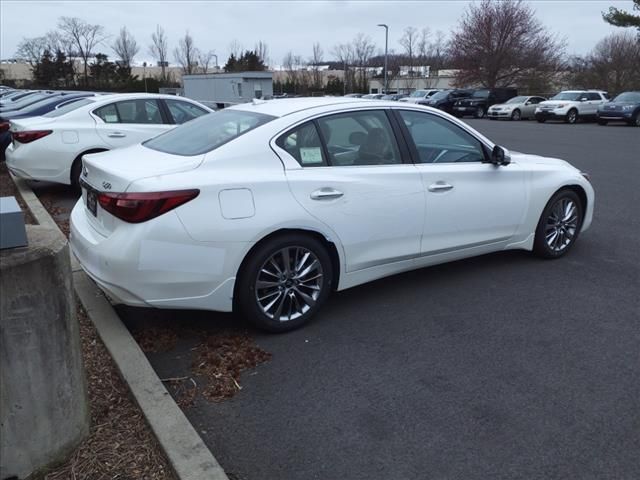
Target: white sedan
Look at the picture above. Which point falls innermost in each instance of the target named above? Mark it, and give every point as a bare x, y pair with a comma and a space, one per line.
265, 208
517, 108
51, 147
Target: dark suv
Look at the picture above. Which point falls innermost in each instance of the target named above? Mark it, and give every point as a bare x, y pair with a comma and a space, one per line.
480, 101
445, 99
625, 107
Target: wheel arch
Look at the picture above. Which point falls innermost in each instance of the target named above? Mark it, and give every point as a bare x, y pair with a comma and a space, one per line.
79, 157
332, 250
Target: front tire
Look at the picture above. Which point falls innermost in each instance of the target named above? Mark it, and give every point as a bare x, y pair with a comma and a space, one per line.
572, 116
602, 122
284, 282
516, 115
635, 121
559, 225
541, 120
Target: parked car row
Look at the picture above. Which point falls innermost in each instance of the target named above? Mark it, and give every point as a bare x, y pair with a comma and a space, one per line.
568, 106
47, 139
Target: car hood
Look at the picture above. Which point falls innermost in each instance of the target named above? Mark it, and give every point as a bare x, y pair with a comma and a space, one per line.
506, 105
553, 103
617, 105
530, 159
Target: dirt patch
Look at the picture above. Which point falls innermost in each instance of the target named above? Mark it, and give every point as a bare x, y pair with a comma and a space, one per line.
8, 189
120, 443
221, 358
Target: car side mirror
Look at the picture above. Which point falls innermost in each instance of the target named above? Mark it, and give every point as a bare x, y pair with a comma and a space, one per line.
528, 103
500, 156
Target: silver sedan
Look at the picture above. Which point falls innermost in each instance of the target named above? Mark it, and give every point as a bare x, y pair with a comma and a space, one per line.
517, 108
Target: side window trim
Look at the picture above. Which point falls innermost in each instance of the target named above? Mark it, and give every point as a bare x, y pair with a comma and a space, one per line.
323, 142
165, 113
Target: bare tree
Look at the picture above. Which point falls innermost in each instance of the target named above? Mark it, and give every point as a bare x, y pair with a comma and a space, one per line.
159, 49
315, 61
363, 49
613, 65
204, 60
32, 49
499, 42
84, 37
262, 51
186, 54
125, 47
409, 42
291, 66
235, 48
343, 52
424, 44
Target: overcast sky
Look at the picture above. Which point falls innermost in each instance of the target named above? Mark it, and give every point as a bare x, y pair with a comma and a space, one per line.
284, 26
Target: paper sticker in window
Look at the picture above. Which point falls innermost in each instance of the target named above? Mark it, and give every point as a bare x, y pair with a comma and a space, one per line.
311, 156
111, 118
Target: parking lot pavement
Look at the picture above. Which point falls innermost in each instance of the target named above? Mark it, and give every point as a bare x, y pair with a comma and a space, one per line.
500, 367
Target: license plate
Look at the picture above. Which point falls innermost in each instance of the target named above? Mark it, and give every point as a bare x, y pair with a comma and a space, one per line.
92, 202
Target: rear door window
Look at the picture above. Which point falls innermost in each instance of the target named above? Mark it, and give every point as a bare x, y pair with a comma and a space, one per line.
303, 143
141, 111
182, 112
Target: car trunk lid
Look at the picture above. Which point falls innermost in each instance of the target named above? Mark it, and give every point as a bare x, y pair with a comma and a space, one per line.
113, 172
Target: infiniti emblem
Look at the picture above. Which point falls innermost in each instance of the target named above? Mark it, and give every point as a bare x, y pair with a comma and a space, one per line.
106, 185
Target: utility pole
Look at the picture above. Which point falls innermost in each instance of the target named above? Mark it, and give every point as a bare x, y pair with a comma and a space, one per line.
386, 52
344, 78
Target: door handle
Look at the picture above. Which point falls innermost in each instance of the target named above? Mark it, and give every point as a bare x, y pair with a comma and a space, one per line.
440, 187
326, 194
116, 135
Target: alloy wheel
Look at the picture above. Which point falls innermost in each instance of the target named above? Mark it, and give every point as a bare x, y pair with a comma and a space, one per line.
572, 116
561, 225
516, 115
289, 283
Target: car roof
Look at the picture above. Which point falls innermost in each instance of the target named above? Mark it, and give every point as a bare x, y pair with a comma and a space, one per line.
287, 106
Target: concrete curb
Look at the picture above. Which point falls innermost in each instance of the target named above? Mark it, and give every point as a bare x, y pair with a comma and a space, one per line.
187, 453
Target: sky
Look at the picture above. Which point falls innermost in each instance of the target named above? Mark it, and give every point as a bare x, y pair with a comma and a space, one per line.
284, 25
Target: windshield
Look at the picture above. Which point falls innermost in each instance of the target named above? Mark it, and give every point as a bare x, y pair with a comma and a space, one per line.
630, 97
480, 94
207, 132
418, 93
68, 107
518, 100
440, 95
574, 96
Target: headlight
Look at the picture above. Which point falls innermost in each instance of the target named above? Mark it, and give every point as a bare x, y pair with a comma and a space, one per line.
562, 105
626, 108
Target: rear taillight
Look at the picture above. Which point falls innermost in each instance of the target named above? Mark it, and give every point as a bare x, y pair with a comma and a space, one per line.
29, 136
140, 207
4, 126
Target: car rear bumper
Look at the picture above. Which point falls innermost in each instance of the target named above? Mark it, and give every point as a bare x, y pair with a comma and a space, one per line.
137, 265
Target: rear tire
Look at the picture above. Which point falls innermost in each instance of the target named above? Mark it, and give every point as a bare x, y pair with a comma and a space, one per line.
284, 282
559, 225
479, 113
541, 120
76, 172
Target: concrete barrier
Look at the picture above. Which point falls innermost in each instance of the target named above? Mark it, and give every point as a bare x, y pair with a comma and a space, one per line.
44, 412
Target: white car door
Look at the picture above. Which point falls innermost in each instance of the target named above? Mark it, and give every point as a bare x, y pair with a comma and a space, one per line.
528, 109
128, 122
469, 203
355, 181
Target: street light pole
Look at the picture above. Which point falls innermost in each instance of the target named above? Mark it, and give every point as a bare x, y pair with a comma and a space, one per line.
386, 52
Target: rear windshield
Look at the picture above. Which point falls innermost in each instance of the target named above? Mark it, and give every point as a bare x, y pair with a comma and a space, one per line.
68, 107
207, 133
